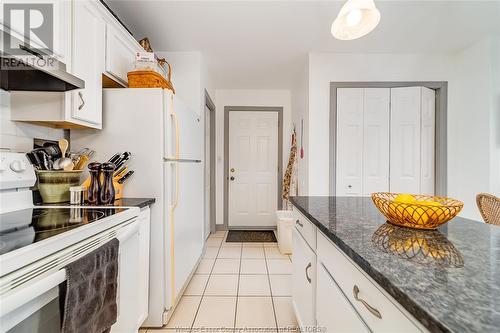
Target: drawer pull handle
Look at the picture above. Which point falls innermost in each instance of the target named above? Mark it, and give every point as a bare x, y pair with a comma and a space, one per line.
300, 224
375, 312
81, 99
307, 272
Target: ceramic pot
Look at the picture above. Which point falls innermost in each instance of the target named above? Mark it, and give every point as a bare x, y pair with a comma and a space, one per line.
54, 185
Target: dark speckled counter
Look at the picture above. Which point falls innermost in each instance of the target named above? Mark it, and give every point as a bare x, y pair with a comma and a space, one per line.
123, 202
134, 202
448, 279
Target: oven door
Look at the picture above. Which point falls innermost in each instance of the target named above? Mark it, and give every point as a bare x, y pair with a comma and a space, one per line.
32, 304
38, 315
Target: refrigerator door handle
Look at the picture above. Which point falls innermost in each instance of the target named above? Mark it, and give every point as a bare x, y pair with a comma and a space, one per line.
176, 125
181, 160
175, 185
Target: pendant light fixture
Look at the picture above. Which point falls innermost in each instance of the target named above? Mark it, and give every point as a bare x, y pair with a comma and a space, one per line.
356, 19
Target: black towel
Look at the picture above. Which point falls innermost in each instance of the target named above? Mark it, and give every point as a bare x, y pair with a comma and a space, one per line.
88, 298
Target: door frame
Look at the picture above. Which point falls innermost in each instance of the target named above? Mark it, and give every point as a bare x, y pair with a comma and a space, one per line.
211, 200
227, 110
441, 128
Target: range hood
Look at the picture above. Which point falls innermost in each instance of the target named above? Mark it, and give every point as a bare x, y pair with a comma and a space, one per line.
32, 70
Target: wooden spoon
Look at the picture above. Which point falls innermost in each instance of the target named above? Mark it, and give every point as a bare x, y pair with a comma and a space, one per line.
64, 162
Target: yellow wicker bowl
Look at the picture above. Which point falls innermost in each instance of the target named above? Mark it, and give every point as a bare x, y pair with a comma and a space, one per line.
418, 214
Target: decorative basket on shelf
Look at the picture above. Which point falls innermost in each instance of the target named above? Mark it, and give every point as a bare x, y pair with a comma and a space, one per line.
150, 71
148, 79
422, 212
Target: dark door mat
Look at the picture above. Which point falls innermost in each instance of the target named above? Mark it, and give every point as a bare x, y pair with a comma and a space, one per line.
251, 236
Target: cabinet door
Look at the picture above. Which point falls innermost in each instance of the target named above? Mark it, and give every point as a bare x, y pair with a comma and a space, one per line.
88, 62
304, 280
349, 173
128, 280
334, 312
143, 285
405, 140
120, 54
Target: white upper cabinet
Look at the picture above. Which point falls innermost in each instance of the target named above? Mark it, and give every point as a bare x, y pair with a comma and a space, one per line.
120, 53
88, 62
91, 42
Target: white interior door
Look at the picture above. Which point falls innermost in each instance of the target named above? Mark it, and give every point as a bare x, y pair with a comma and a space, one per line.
405, 140
376, 109
253, 169
207, 172
349, 142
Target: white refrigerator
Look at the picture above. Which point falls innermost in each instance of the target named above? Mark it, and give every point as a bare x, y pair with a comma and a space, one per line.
165, 138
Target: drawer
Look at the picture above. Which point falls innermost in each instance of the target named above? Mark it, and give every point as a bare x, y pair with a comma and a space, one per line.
334, 312
349, 277
305, 228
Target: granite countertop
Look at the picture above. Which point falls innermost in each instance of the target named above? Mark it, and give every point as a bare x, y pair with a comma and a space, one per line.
123, 202
134, 202
447, 279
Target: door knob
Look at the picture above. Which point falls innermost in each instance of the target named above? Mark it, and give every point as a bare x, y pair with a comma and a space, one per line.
232, 170
232, 178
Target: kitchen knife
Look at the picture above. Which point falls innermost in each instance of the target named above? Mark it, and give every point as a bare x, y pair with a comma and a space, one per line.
124, 158
114, 158
125, 177
120, 172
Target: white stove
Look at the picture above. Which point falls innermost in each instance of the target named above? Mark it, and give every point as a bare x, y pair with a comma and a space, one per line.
37, 242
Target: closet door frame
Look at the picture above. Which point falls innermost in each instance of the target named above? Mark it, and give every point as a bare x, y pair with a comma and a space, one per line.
441, 160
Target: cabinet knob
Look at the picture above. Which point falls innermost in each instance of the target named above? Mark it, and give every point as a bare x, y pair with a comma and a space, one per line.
349, 186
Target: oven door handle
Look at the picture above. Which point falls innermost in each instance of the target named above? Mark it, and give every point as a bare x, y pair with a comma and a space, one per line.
26, 294
132, 228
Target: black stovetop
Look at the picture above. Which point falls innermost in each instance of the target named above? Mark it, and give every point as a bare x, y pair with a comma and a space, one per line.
24, 227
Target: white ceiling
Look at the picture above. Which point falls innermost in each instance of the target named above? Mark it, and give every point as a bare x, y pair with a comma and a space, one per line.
264, 44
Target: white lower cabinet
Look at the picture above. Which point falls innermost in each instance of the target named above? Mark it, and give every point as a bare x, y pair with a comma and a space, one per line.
303, 281
331, 292
143, 286
334, 312
133, 277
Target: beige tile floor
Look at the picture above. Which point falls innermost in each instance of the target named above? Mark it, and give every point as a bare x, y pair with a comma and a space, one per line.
237, 286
